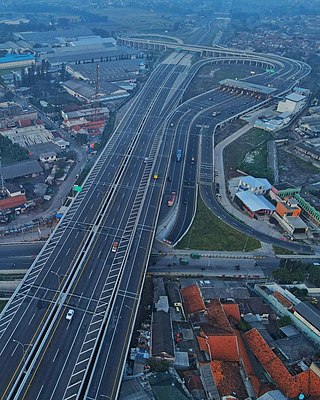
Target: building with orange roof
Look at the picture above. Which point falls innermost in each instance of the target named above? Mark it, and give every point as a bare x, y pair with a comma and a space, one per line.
12, 202
285, 302
258, 387
228, 379
220, 347
306, 382
216, 338
216, 318
192, 299
232, 311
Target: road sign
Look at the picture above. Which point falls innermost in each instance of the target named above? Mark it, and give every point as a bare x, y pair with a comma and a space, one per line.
77, 188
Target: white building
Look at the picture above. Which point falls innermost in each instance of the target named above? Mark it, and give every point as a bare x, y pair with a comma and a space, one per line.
292, 103
254, 185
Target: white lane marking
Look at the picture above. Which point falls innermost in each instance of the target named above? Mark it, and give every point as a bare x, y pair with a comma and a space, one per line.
80, 297
55, 356
38, 397
14, 349
31, 318
68, 251
90, 273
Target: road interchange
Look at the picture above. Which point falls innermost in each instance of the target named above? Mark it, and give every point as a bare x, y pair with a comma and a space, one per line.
50, 357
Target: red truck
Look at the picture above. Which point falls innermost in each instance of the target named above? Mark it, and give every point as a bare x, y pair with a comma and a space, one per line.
172, 199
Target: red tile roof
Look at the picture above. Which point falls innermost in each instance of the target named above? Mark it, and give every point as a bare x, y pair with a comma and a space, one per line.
12, 202
25, 122
192, 299
217, 318
285, 302
232, 311
228, 379
258, 387
220, 347
306, 382
192, 380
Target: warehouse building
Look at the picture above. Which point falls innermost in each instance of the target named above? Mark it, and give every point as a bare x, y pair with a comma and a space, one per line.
16, 61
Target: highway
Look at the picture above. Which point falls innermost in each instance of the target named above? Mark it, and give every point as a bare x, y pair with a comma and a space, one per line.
54, 358
196, 132
96, 258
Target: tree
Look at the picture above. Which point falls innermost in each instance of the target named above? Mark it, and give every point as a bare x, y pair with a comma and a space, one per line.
158, 366
284, 321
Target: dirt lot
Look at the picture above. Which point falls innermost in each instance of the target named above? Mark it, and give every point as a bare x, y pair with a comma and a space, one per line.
294, 170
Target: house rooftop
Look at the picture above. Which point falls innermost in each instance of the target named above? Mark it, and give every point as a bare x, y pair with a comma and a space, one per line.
255, 202
162, 341
273, 395
291, 385
20, 169
192, 299
256, 182
309, 312
295, 97
228, 379
12, 202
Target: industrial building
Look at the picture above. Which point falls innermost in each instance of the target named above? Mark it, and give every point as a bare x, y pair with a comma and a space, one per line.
87, 49
111, 71
87, 93
16, 61
28, 168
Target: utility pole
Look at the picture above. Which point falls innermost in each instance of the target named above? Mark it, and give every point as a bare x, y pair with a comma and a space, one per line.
96, 92
2, 180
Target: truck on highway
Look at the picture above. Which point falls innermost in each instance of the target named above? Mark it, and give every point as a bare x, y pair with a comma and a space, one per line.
172, 199
179, 155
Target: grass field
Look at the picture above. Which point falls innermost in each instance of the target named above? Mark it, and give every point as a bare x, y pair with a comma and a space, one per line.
2, 304
209, 233
281, 251
249, 154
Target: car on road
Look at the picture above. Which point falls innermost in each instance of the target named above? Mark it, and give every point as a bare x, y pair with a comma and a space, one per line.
192, 160
155, 176
70, 314
115, 247
169, 178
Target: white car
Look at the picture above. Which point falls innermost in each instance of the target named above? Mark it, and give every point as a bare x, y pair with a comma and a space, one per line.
69, 314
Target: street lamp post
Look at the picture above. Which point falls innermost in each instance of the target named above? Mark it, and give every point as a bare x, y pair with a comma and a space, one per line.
246, 242
24, 350
59, 276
